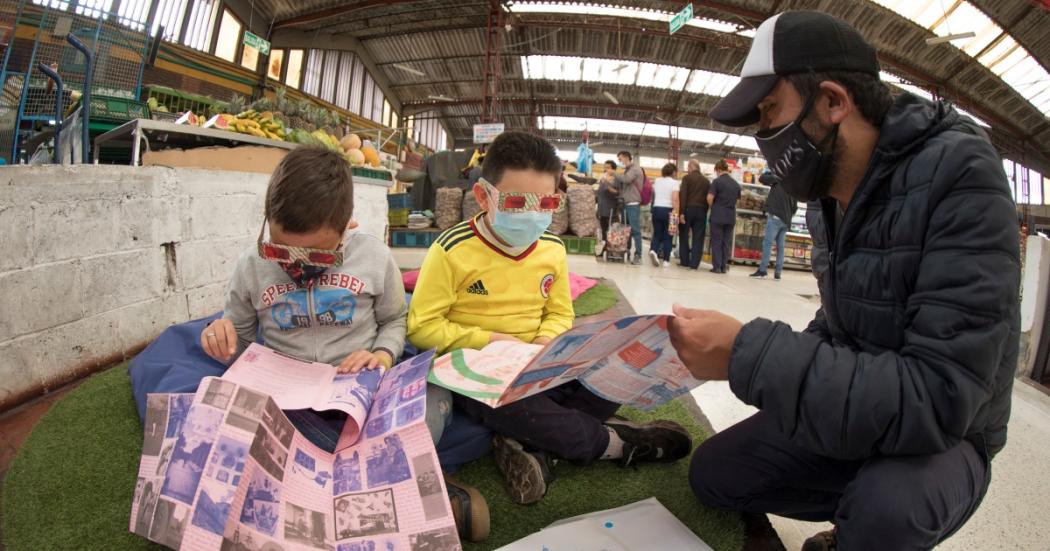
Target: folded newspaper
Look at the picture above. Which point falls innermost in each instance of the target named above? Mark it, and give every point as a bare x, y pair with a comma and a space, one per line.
634, 527
628, 360
225, 469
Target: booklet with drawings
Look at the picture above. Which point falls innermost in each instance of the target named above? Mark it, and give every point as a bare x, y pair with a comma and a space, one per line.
628, 360
225, 469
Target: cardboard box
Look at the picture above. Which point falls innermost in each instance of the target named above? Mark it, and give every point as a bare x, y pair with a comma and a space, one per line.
245, 158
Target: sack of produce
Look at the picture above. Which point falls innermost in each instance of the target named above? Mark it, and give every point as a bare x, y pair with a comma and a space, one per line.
447, 207
583, 207
560, 220
470, 205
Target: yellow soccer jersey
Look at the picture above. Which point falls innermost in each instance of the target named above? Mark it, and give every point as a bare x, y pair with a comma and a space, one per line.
470, 288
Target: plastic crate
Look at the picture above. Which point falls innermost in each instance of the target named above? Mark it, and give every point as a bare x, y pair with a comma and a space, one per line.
413, 238
117, 110
373, 173
397, 218
399, 201
578, 245
179, 102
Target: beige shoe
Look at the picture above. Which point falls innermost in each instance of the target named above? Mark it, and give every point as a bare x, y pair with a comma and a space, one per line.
469, 509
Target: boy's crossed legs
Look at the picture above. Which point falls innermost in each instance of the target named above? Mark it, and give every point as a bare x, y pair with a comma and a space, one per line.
568, 422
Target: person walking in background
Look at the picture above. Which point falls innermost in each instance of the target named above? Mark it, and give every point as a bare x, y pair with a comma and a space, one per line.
631, 193
780, 209
722, 198
692, 202
608, 195
665, 213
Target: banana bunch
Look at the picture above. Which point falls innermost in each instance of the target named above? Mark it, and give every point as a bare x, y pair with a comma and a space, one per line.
258, 124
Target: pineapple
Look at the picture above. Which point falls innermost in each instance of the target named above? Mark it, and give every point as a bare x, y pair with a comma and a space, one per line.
280, 106
237, 104
262, 104
297, 115
335, 126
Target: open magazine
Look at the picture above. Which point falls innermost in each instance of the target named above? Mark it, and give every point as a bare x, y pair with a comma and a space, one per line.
628, 360
298, 384
225, 469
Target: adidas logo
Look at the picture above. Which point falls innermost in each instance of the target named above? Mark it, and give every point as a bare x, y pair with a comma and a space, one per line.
477, 288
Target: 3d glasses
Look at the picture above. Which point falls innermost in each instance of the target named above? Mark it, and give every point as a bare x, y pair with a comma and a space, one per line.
516, 201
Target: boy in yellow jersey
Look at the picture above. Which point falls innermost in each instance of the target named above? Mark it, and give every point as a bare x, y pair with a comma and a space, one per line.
501, 276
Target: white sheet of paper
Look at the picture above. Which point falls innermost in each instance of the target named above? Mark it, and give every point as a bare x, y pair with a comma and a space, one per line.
632, 527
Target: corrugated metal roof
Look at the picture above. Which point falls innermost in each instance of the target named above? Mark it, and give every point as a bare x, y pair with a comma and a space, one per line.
400, 31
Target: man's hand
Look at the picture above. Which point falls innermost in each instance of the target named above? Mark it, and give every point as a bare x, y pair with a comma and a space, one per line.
502, 337
219, 340
364, 359
704, 341
541, 340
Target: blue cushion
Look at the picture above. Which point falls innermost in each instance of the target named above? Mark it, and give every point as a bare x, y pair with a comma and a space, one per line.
173, 363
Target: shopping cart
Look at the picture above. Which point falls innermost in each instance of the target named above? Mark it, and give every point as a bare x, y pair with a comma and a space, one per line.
618, 239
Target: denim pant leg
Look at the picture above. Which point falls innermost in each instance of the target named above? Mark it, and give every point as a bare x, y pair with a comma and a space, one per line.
439, 411
772, 228
781, 235
634, 219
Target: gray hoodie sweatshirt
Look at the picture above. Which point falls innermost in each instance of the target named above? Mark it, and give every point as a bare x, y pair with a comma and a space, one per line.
359, 305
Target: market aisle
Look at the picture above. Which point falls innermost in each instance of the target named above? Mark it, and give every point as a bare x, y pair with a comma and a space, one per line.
1012, 514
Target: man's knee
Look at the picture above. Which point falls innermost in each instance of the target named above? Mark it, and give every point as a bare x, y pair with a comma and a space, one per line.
707, 476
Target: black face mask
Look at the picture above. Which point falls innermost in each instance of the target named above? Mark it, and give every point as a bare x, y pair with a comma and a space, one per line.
794, 161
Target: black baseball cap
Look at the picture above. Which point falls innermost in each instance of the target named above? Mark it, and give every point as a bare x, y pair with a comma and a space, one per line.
787, 43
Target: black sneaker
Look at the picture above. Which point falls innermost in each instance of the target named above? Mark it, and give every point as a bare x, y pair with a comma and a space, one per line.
776, 277
760, 275
655, 442
526, 474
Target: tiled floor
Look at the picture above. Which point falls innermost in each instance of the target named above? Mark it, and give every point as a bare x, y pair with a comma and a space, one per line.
1013, 515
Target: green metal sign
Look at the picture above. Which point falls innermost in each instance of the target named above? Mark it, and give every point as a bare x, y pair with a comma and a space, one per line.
263, 46
681, 18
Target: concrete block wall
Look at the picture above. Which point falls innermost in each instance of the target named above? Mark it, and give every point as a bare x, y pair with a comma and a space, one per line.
96, 261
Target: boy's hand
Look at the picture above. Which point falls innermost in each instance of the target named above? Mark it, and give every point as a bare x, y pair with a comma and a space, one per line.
363, 359
502, 337
541, 340
219, 340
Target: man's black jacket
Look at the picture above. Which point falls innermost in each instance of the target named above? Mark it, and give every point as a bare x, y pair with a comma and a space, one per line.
915, 345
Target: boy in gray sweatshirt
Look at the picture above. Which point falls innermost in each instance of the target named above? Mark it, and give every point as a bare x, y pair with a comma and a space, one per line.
315, 289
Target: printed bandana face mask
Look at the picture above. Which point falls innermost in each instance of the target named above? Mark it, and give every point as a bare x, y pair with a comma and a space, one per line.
304, 265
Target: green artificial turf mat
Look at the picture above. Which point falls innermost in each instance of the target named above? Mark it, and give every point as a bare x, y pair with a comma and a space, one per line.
71, 485
595, 300
602, 485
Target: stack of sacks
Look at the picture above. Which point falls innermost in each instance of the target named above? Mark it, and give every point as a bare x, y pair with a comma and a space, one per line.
447, 207
560, 220
583, 220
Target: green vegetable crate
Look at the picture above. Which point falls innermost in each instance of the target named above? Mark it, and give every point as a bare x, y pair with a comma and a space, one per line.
398, 218
578, 245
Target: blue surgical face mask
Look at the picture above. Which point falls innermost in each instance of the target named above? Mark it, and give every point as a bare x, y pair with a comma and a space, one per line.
521, 229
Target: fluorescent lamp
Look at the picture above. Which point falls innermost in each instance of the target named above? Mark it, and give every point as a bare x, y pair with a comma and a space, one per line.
611, 97
949, 38
440, 98
408, 69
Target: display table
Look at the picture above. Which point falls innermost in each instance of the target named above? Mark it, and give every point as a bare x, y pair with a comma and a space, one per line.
162, 134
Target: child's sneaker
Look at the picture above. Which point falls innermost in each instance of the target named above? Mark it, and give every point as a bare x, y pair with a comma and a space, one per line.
469, 509
824, 541
526, 474
657, 442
